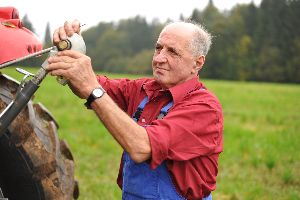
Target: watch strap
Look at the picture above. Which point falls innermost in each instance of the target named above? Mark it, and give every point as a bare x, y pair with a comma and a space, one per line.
92, 98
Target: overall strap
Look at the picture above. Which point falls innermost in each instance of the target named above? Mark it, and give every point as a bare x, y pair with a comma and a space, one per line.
165, 109
163, 112
136, 116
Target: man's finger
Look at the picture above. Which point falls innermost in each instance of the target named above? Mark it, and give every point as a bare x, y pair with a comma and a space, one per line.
76, 26
65, 59
56, 37
62, 33
68, 28
58, 65
70, 53
57, 72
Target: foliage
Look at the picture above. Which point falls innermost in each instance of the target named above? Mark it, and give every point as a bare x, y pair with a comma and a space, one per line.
122, 46
48, 38
27, 23
251, 43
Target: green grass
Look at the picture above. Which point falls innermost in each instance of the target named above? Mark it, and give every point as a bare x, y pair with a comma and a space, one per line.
261, 158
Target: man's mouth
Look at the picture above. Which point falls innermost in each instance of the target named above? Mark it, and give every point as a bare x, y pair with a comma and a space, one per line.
160, 69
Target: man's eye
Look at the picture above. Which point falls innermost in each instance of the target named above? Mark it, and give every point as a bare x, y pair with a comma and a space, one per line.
158, 47
173, 51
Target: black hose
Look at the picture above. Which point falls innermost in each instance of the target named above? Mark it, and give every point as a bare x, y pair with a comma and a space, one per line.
13, 109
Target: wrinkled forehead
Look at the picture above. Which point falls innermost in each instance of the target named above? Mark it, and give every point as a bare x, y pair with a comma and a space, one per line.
177, 33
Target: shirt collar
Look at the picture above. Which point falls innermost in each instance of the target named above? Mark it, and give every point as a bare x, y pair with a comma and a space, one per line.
151, 85
178, 92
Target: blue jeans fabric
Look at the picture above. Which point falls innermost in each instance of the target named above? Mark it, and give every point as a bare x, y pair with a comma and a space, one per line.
140, 182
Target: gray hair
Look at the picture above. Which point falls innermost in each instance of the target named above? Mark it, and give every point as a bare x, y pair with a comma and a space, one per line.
201, 41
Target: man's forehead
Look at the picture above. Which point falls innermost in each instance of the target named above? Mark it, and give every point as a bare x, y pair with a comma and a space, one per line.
173, 38
180, 28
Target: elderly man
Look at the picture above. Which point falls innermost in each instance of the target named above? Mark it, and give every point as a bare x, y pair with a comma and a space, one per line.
170, 126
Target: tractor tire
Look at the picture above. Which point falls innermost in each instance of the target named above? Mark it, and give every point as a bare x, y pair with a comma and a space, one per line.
34, 163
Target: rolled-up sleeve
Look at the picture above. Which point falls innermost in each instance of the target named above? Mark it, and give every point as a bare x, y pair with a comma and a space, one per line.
188, 131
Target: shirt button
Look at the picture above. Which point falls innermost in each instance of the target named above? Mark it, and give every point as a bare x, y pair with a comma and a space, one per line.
143, 120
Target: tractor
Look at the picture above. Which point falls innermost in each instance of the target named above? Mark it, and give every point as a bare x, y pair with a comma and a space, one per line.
34, 163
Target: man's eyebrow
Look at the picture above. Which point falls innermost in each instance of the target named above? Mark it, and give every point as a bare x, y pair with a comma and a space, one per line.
175, 49
172, 48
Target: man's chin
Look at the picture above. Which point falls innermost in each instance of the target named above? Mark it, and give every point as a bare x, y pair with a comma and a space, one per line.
161, 82
157, 78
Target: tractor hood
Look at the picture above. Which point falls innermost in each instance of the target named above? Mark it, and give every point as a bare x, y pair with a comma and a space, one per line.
15, 40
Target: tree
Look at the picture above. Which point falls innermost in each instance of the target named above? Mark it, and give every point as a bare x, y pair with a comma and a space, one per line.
111, 47
238, 46
139, 33
94, 33
141, 62
250, 16
33, 61
27, 23
181, 17
249, 43
196, 15
273, 38
216, 23
210, 15
47, 39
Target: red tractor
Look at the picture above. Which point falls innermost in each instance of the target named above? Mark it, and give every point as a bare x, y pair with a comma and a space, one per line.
34, 163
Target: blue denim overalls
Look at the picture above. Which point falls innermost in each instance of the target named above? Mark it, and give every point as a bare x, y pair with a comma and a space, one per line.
142, 182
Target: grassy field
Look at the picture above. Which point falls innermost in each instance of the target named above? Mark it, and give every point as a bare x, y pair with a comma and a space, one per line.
261, 158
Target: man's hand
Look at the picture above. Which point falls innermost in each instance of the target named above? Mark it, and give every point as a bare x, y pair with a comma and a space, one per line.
65, 31
77, 69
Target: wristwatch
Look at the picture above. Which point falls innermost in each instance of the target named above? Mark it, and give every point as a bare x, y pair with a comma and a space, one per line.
96, 93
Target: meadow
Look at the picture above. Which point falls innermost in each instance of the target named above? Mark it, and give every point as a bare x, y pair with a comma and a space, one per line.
261, 158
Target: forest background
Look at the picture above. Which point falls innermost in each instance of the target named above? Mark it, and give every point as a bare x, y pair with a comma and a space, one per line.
250, 43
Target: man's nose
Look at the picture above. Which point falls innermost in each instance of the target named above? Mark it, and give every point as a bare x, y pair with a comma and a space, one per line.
160, 57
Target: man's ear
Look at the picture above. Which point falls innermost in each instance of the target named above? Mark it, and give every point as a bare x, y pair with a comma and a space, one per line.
199, 62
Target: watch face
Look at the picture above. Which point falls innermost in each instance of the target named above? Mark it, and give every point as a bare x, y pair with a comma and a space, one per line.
97, 92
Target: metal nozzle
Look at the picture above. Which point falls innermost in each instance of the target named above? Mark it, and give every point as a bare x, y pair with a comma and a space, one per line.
64, 45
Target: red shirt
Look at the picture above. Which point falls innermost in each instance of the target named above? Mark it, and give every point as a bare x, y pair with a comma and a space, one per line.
189, 137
